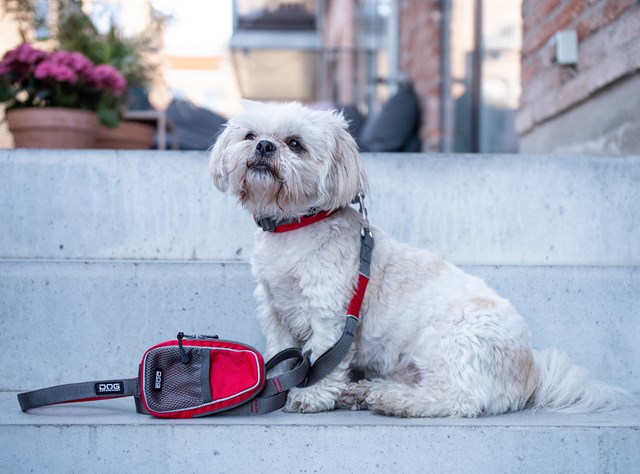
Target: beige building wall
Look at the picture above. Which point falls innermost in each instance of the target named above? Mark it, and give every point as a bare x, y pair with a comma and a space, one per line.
197, 64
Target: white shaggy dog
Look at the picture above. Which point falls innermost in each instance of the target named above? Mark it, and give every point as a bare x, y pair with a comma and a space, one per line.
432, 341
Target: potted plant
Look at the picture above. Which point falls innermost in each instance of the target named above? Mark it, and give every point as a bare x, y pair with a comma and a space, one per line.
126, 55
76, 31
52, 98
73, 30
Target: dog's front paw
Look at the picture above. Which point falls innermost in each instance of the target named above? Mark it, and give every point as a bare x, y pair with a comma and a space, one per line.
309, 400
354, 396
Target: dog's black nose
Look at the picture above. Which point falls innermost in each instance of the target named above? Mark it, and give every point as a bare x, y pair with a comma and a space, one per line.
265, 147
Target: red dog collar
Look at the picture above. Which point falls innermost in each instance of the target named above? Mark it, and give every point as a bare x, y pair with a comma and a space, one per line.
269, 224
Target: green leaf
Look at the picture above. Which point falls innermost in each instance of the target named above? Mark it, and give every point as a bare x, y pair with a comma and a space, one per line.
108, 117
5, 92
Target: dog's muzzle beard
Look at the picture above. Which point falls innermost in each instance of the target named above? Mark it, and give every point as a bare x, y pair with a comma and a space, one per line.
264, 169
262, 183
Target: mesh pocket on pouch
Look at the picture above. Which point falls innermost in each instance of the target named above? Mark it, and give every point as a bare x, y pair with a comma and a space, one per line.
181, 387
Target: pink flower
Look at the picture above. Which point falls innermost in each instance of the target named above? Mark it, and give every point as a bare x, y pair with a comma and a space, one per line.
33, 78
21, 60
25, 55
107, 77
59, 72
78, 62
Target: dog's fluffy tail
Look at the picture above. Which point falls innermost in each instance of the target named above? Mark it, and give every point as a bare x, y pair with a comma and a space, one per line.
564, 386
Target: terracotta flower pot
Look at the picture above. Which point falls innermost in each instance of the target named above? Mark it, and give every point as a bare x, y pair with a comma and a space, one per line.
126, 136
53, 127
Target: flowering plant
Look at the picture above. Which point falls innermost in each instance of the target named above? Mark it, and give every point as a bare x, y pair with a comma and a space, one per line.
30, 77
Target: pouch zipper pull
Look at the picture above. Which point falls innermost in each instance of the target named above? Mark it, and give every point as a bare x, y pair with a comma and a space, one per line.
185, 358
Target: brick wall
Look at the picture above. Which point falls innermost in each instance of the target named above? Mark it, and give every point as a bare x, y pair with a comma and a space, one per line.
609, 50
420, 62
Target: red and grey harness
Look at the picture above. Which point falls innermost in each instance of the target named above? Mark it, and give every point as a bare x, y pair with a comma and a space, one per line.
333, 356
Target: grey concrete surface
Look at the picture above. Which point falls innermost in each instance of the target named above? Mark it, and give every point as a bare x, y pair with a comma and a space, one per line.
103, 254
474, 209
93, 320
96, 436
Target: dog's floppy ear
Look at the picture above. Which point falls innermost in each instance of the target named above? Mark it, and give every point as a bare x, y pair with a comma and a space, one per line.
218, 161
346, 176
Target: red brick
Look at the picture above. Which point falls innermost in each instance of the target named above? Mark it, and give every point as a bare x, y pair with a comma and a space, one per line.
542, 9
589, 24
530, 68
614, 8
595, 48
432, 135
603, 14
420, 61
560, 20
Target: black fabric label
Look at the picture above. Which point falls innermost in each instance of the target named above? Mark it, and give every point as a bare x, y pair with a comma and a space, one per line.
112, 387
157, 383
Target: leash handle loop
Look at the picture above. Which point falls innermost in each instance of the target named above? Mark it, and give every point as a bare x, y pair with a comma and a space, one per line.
79, 392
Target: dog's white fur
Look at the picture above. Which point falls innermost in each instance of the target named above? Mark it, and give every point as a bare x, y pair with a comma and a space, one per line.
432, 341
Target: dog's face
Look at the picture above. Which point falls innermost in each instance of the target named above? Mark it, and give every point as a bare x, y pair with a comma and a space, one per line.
281, 160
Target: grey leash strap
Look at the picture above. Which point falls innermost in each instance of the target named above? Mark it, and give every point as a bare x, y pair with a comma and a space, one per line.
332, 357
271, 398
79, 392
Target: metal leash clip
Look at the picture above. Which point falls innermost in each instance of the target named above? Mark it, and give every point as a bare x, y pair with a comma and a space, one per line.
363, 212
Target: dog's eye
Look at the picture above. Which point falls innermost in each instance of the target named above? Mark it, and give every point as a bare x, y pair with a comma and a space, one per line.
250, 136
295, 145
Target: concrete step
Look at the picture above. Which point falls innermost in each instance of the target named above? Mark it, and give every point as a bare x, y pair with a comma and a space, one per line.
105, 436
67, 321
474, 209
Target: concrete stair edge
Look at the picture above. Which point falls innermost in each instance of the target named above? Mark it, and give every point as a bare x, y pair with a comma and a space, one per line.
97, 436
474, 209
